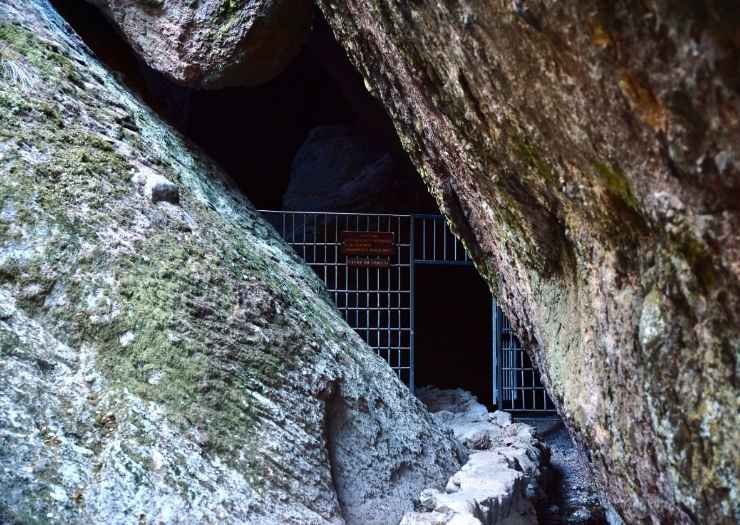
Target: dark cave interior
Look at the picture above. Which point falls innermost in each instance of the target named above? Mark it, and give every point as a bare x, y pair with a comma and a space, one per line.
454, 331
254, 134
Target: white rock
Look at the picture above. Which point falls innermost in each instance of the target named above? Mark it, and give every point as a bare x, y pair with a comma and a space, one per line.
504, 463
501, 418
426, 518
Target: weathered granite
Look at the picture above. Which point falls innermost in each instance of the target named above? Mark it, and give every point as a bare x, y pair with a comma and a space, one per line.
164, 356
587, 154
212, 44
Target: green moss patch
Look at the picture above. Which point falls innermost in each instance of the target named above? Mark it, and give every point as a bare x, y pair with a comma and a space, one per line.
530, 155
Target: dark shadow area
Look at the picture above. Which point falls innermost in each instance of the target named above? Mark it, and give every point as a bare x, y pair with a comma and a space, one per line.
254, 133
570, 492
453, 331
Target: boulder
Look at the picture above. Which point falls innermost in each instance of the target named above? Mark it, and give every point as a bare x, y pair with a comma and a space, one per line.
338, 168
164, 356
211, 44
588, 155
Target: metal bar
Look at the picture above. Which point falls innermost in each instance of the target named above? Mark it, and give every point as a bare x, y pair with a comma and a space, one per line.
412, 304
434, 241
494, 356
444, 263
423, 239
444, 240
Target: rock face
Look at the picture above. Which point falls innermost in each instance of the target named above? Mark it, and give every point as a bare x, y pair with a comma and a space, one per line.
339, 169
164, 356
213, 43
587, 153
500, 480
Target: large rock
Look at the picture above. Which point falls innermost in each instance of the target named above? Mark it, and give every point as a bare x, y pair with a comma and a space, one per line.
164, 356
338, 168
213, 43
588, 154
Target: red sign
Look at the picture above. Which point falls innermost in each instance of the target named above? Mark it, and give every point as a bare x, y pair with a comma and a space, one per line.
367, 249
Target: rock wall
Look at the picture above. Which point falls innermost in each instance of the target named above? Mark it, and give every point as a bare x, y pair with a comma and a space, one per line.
164, 356
213, 43
587, 154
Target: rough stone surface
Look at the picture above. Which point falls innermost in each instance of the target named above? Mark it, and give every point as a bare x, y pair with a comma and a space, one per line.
501, 479
339, 169
587, 154
213, 43
165, 363
472, 424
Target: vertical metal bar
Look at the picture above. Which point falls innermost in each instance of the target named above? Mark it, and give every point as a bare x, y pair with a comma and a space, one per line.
499, 356
344, 265
456, 243
423, 238
494, 356
292, 217
444, 241
521, 372
357, 283
434, 240
367, 290
412, 304
389, 272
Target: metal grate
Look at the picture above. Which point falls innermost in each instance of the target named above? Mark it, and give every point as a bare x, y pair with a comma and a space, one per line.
376, 302
436, 244
379, 302
520, 387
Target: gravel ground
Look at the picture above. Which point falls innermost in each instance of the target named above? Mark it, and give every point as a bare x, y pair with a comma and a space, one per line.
572, 495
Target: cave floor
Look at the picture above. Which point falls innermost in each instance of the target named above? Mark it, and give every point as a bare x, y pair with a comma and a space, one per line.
572, 494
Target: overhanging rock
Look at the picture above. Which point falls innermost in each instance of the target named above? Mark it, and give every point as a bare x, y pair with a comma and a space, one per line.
587, 153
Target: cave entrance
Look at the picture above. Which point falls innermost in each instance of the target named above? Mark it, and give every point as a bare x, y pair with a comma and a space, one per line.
405, 284
313, 138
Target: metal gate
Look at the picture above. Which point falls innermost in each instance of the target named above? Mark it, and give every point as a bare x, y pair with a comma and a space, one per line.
520, 388
376, 302
379, 302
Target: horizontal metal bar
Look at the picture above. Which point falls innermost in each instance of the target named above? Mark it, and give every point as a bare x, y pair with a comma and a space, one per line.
334, 244
427, 216
337, 213
368, 291
439, 262
376, 308
342, 265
